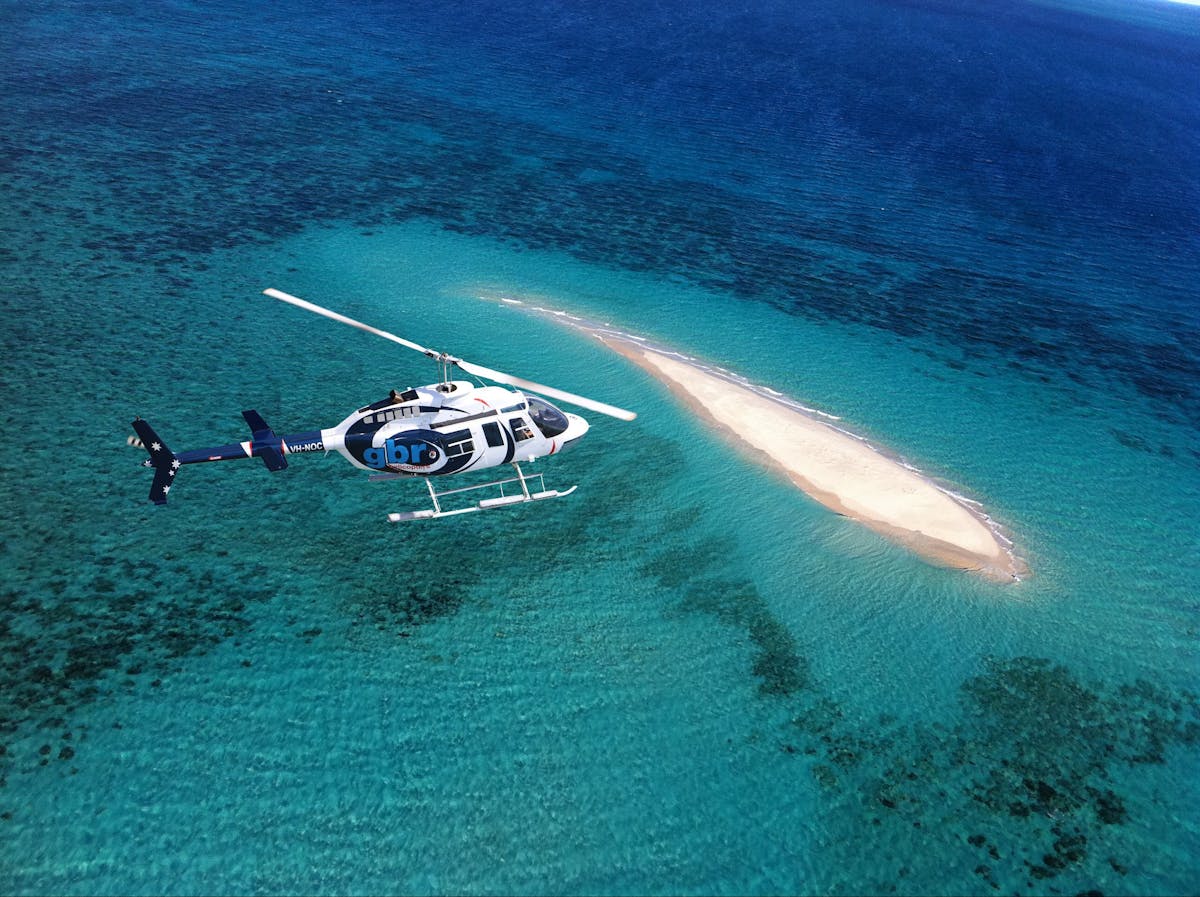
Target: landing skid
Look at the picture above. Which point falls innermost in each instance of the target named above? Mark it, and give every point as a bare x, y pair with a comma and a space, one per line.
503, 500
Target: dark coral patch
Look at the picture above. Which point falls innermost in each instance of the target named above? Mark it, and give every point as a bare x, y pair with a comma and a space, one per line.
1035, 756
85, 647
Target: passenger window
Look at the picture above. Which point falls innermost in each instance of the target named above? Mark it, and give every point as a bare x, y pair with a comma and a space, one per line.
491, 432
520, 429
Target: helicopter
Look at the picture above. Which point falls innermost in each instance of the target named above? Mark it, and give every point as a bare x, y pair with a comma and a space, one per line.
431, 431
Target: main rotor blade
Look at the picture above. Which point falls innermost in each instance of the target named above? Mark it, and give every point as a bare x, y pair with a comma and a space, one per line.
316, 309
542, 389
476, 369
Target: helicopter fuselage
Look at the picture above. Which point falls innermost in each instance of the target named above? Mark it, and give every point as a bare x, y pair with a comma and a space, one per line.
448, 428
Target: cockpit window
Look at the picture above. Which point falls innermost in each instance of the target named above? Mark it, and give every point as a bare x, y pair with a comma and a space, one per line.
548, 419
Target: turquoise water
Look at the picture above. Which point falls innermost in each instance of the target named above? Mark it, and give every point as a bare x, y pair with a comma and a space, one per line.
686, 677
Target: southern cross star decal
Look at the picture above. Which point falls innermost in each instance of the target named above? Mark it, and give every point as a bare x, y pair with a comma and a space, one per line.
155, 446
175, 463
166, 489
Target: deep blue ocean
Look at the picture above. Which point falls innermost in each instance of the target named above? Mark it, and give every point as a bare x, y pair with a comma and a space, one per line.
970, 230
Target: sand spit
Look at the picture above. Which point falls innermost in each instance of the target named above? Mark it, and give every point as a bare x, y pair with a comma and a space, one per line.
841, 471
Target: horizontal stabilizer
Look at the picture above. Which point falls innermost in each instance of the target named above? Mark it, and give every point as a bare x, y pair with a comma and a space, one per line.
266, 444
272, 457
258, 426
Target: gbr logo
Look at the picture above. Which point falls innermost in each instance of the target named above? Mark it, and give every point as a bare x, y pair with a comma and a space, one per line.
409, 452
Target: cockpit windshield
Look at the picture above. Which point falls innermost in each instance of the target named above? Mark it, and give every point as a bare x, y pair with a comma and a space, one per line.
548, 419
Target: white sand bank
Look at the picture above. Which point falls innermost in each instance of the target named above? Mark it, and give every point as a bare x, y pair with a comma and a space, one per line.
841, 472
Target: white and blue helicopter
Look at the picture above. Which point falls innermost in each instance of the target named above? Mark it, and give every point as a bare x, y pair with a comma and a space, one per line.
445, 428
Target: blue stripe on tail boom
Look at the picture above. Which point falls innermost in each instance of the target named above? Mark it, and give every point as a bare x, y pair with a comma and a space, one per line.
263, 444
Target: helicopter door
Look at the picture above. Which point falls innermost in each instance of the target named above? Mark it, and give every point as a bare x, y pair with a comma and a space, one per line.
492, 435
497, 446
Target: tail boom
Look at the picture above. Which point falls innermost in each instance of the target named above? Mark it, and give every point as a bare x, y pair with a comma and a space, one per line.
263, 444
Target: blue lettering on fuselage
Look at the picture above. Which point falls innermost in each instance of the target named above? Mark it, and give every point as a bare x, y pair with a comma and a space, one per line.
395, 452
404, 453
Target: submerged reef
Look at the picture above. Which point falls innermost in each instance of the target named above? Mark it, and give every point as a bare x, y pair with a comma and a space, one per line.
69, 638
695, 574
1030, 784
1033, 781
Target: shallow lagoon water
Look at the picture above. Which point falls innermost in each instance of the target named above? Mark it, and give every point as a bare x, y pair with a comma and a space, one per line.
685, 677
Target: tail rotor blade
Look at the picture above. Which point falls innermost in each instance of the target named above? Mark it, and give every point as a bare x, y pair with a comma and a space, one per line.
548, 391
333, 315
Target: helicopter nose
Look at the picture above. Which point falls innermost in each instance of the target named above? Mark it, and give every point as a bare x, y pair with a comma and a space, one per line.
576, 428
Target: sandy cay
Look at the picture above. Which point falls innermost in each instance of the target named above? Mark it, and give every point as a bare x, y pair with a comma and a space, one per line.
841, 472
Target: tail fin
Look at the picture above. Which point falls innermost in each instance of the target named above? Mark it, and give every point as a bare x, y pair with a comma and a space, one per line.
165, 463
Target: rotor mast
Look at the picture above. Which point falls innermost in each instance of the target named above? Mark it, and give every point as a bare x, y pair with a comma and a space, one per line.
444, 363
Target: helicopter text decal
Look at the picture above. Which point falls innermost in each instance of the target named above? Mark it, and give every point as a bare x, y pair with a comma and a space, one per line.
414, 453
